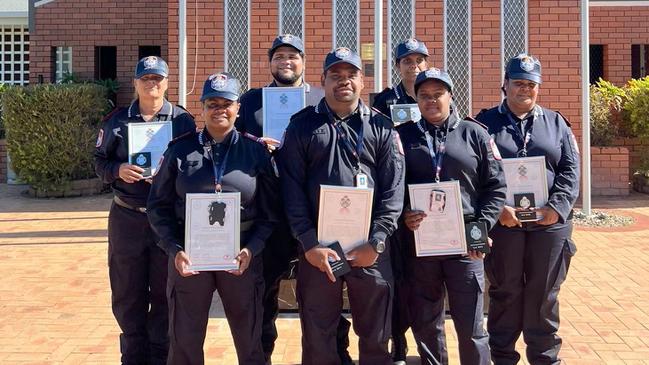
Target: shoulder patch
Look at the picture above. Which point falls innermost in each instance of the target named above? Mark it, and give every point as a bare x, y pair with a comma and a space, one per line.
564, 118
397, 142
471, 119
100, 138
495, 150
573, 141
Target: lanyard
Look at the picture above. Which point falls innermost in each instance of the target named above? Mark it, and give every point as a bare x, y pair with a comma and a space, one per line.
522, 152
436, 156
218, 171
346, 138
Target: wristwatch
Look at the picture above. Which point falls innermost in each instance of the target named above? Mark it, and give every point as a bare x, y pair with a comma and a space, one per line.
379, 246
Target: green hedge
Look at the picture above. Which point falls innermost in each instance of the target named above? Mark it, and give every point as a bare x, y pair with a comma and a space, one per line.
51, 131
3, 87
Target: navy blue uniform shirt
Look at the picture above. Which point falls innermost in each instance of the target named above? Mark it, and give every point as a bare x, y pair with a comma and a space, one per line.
187, 168
468, 159
112, 147
311, 154
251, 113
550, 137
392, 96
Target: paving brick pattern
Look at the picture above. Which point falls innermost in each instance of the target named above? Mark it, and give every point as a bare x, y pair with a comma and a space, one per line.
55, 297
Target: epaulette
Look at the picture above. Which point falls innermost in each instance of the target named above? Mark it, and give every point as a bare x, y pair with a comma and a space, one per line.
188, 112
254, 138
482, 111
564, 118
111, 114
472, 119
304, 110
180, 137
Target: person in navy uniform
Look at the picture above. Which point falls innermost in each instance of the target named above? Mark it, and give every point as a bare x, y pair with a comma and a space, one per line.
335, 143
442, 147
411, 57
218, 158
137, 267
529, 261
287, 61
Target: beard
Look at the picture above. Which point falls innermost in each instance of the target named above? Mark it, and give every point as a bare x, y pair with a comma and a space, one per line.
286, 80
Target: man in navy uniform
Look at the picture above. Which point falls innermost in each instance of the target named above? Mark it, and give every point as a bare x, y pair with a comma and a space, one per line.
530, 260
442, 147
339, 142
411, 57
287, 61
137, 267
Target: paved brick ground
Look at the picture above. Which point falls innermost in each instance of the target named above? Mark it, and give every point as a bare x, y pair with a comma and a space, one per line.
55, 298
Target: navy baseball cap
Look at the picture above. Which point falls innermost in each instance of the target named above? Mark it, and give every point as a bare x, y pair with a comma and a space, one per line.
433, 74
221, 85
524, 67
289, 40
342, 55
151, 65
410, 46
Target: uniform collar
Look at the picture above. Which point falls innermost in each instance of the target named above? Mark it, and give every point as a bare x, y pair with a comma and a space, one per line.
323, 108
400, 91
205, 138
504, 109
453, 121
134, 109
307, 87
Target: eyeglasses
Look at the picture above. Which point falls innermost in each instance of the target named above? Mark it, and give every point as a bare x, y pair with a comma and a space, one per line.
216, 106
154, 78
431, 98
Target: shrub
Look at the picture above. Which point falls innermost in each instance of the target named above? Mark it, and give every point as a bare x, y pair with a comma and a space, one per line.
3, 87
605, 100
51, 130
636, 107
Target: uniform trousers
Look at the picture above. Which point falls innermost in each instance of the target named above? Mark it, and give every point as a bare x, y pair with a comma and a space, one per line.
189, 305
463, 279
321, 301
137, 269
526, 269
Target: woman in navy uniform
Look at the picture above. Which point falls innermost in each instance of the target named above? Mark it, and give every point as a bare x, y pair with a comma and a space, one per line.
442, 147
136, 265
218, 158
411, 58
529, 261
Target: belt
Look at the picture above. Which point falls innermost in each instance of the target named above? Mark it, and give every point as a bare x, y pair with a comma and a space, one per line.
124, 204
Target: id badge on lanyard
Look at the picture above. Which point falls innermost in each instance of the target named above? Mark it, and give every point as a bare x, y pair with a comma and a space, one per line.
361, 180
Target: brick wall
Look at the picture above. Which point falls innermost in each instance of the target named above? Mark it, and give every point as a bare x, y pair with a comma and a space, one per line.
3, 161
617, 28
610, 166
83, 25
637, 150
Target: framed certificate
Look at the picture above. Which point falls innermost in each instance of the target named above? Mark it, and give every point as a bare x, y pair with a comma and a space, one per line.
527, 184
212, 235
344, 215
279, 104
147, 143
442, 232
402, 113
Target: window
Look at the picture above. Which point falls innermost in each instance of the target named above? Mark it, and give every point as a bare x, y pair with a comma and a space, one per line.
146, 51
105, 63
401, 27
291, 15
61, 63
345, 24
639, 60
14, 55
237, 51
457, 51
596, 62
513, 29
